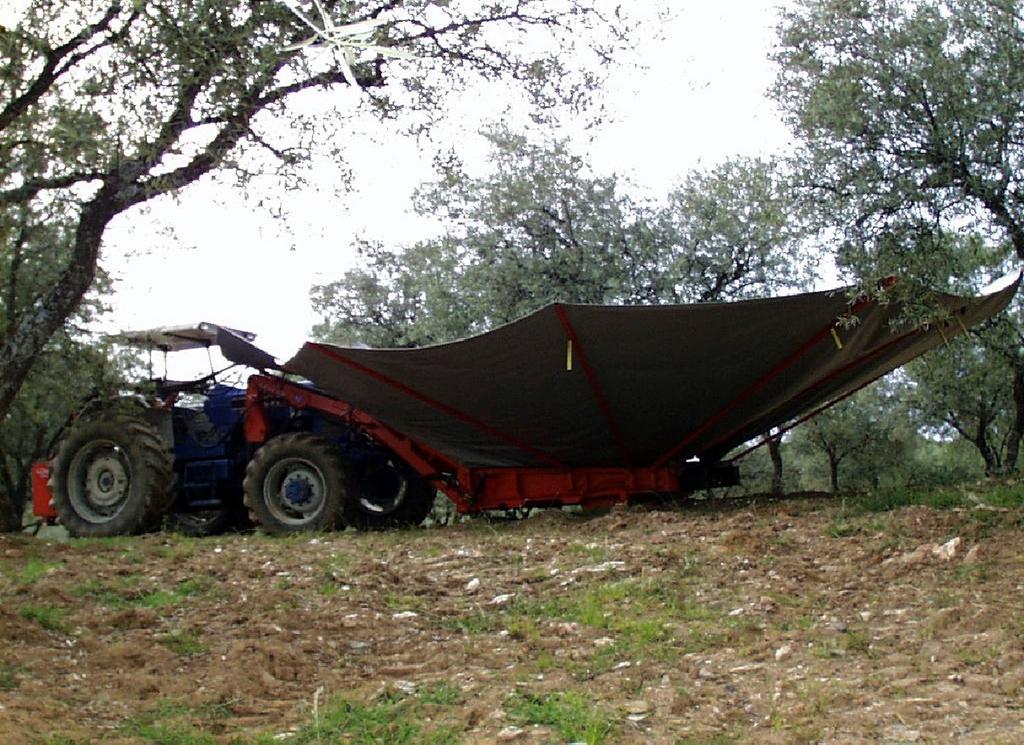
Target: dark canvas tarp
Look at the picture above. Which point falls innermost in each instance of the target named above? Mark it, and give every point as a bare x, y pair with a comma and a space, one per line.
646, 384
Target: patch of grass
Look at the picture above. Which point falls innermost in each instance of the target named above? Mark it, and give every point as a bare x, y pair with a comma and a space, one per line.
441, 694
399, 601
544, 661
972, 657
476, 622
329, 589
573, 717
174, 723
393, 718
184, 643
163, 598
689, 565
101, 592
49, 617
647, 619
971, 573
180, 547
334, 570
721, 738
36, 569
9, 676
842, 528
157, 599
891, 499
856, 642
524, 629
592, 551
1007, 496
945, 598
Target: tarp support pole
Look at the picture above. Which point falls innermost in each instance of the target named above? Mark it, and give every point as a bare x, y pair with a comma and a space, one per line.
595, 387
439, 405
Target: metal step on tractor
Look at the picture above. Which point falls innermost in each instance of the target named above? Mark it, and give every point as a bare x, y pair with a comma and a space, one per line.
175, 454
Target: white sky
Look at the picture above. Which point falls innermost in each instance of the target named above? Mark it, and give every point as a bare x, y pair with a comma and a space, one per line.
699, 100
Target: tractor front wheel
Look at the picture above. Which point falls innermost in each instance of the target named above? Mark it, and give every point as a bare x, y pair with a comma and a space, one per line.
112, 476
296, 482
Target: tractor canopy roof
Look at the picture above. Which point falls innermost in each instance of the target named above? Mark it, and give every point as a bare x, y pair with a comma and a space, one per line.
201, 335
235, 345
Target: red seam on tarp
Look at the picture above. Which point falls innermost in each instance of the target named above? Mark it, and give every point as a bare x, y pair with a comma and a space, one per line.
440, 406
801, 420
595, 387
818, 383
757, 386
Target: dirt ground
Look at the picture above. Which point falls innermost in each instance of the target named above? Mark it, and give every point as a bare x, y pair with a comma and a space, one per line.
791, 621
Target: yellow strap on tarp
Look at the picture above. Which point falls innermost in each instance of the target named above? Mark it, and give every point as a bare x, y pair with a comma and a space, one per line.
836, 339
568, 355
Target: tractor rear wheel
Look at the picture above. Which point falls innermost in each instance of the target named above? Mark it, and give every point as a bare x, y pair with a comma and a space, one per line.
112, 476
387, 495
296, 482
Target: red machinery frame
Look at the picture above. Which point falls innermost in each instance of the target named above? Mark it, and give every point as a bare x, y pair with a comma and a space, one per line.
471, 489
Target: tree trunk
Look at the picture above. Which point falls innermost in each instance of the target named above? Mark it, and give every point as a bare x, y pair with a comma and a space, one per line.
20, 349
11, 503
775, 452
988, 454
1017, 429
833, 472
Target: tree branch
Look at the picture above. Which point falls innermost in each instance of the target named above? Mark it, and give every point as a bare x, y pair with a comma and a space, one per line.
48, 75
32, 187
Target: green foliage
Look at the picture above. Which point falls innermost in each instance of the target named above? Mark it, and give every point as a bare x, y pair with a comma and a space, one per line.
965, 390
573, 716
162, 598
35, 570
541, 228
49, 617
392, 719
175, 723
978, 499
907, 119
9, 676
861, 438
184, 643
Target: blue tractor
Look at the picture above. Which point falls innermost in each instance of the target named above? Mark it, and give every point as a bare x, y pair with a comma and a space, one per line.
174, 454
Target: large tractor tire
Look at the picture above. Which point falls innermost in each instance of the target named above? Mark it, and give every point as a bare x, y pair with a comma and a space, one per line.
112, 476
295, 483
387, 495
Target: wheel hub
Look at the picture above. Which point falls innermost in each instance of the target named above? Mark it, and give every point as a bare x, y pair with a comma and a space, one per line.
295, 489
106, 481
